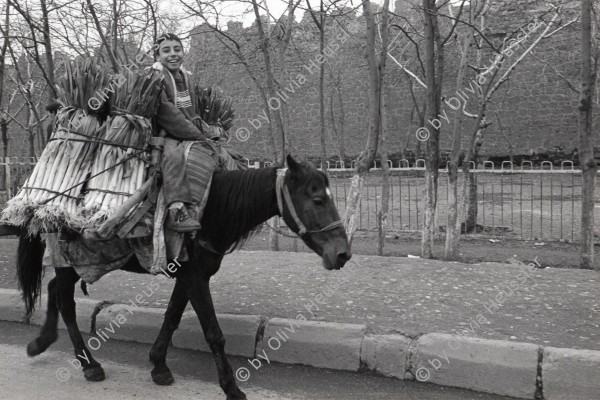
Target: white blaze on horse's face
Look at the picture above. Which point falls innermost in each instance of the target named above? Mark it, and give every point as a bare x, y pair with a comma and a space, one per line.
328, 193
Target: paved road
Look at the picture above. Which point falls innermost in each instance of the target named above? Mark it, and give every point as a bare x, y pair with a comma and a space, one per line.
128, 377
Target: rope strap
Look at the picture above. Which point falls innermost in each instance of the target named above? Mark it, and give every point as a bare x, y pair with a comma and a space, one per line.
288, 199
52, 191
96, 140
109, 191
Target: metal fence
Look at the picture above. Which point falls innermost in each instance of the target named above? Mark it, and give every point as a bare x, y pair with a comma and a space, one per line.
519, 202
516, 201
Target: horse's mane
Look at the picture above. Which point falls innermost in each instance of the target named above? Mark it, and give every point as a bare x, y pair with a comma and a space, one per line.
236, 203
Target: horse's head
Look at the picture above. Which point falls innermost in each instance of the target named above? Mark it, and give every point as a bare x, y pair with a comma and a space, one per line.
308, 209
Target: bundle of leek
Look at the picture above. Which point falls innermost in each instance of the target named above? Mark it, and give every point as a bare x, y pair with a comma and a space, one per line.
49, 197
83, 85
74, 145
120, 163
216, 111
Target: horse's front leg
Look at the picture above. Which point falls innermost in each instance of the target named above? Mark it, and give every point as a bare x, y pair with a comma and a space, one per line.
158, 354
48, 333
66, 279
198, 291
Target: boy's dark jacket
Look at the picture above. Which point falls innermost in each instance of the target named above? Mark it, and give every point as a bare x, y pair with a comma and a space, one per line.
177, 121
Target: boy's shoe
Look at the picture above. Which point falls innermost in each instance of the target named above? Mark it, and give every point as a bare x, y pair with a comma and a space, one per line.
181, 220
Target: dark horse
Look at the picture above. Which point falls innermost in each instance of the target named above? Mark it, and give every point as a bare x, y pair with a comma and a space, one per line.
239, 201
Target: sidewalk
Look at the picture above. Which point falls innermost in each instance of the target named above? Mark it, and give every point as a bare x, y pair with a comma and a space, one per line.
553, 307
543, 307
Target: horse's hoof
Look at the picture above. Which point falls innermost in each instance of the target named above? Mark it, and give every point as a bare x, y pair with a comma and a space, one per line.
35, 348
236, 395
163, 377
94, 374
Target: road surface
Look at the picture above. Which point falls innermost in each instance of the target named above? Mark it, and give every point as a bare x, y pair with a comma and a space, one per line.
50, 376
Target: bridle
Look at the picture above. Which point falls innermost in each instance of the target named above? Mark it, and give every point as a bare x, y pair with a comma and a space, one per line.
282, 191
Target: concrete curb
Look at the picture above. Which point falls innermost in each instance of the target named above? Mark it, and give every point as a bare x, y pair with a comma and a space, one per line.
521, 370
319, 344
571, 374
492, 366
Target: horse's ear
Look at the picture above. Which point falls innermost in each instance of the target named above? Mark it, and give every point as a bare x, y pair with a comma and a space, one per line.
292, 164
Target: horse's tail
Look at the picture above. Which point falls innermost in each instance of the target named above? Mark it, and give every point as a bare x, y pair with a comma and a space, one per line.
30, 270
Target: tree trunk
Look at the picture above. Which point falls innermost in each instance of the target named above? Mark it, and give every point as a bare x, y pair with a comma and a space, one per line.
382, 218
322, 90
4, 118
48, 52
452, 235
30, 132
352, 202
273, 236
471, 194
586, 146
452, 225
341, 134
433, 70
4, 130
338, 135
107, 46
31, 140
418, 149
274, 106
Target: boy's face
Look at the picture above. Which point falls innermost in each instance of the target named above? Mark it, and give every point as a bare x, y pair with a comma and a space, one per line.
170, 55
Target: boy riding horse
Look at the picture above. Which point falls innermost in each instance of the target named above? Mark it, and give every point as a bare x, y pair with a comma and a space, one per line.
175, 114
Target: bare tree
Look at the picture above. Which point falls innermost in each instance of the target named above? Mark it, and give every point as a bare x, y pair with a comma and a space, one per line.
31, 89
272, 44
376, 72
107, 46
589, 68
3, 113
488, 80
434, 73
320, 19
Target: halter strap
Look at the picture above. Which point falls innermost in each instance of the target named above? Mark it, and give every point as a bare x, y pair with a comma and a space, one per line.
288, 200
280, 189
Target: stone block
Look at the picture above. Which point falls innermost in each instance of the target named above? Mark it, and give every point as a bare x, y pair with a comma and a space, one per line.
571, 374
492, 366
319, 344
